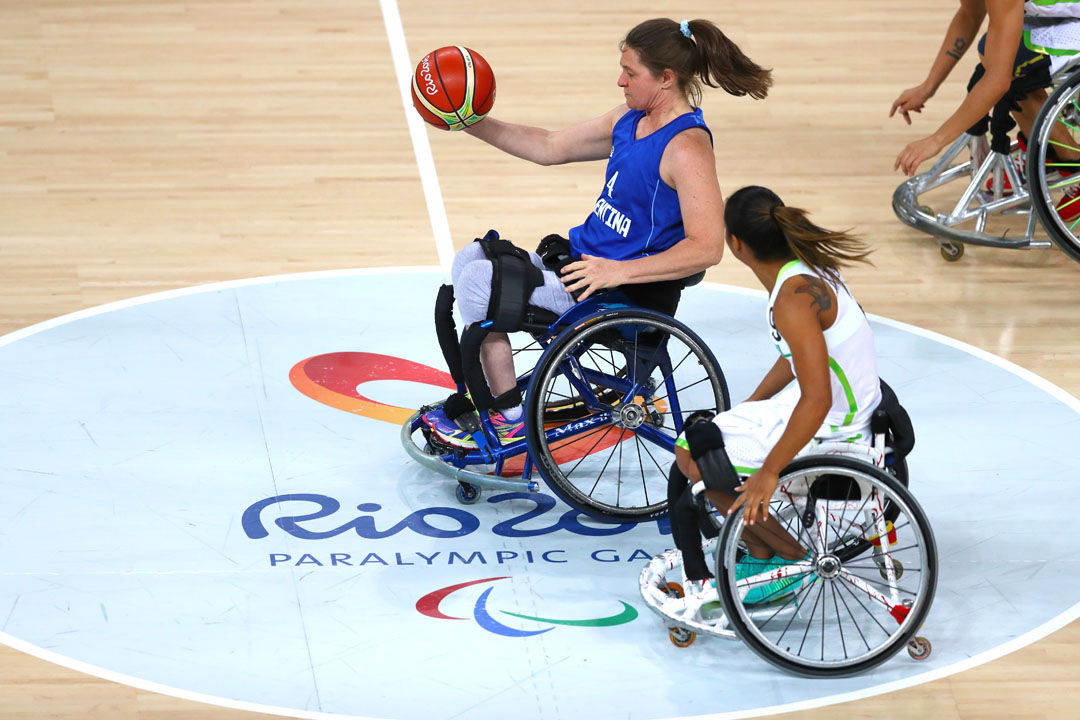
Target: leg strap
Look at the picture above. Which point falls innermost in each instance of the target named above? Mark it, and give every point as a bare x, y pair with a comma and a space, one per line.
513, 279
1000, 120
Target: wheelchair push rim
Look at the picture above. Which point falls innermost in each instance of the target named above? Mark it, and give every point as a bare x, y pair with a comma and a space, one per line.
638, 374
832, 615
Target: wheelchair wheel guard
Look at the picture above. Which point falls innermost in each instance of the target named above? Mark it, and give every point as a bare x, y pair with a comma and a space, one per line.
617, 386
866, 586
1054, 184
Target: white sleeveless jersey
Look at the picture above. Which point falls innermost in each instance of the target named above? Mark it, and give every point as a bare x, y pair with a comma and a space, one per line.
1052, 8
1052, 28
856, 389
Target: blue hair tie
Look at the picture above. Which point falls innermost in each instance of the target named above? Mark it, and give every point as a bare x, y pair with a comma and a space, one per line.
684, 26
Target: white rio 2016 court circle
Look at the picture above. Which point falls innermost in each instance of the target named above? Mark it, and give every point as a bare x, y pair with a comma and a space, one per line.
186, 508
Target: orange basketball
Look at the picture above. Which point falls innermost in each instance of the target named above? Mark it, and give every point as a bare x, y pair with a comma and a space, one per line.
453, 87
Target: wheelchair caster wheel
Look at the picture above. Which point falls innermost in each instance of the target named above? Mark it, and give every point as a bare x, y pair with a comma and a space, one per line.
467, 493
952, 251
919, 648
898, 569
681, 637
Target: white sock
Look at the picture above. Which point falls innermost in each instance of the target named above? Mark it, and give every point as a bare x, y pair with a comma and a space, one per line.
513, 414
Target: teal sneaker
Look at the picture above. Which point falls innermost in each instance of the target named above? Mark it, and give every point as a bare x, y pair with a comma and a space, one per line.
766, 592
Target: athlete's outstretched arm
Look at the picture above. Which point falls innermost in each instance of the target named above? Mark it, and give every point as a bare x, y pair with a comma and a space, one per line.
688, 165
1002, 40
590, 140
958, 38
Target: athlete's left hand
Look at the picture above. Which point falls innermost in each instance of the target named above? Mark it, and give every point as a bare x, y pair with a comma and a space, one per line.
915, 153
590, 274
756, 493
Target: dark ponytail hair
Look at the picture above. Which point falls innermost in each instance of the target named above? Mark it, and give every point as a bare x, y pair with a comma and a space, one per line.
707, 56
774, 231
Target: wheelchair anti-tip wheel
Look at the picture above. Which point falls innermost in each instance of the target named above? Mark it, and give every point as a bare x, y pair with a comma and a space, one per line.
631, 376
844, 609
1054, 183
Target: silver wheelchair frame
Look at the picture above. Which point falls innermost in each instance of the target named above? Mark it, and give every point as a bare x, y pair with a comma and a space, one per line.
1030, 195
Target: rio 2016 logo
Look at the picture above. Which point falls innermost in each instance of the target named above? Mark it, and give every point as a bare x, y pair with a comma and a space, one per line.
429, 606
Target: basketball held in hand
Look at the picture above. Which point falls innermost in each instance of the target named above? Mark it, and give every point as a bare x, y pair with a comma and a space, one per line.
453, 87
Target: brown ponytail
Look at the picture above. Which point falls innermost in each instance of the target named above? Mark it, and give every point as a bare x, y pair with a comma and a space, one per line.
774, 231
706, 56
824, 250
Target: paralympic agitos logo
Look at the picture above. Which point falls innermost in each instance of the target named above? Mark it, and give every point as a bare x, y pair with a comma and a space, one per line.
429, 605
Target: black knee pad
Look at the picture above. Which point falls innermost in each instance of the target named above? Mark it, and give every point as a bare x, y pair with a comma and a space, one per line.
706, 443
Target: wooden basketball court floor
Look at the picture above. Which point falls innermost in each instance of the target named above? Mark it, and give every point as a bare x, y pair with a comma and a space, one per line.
148, 145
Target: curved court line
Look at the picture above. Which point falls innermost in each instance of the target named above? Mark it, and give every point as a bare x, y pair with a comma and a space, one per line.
1023, 640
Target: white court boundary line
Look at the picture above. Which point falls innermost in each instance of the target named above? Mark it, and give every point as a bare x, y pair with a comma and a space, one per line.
429, 179
1006, 648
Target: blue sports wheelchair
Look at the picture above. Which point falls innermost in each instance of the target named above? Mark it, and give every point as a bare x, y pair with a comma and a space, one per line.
604, 403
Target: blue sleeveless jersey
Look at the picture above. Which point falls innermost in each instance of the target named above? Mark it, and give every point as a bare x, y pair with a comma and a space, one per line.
637, 214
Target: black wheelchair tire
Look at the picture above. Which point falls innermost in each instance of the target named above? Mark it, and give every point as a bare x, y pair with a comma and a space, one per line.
733, 605
535, 407
1056, 228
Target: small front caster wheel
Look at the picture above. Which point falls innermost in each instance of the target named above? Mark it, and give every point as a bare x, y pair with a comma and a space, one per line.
681, 637
952, 251
467, 493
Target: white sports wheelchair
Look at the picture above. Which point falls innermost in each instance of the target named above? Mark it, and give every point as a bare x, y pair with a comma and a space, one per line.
1008, 195
861, 595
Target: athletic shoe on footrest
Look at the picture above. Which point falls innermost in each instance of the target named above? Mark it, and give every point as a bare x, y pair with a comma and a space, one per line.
447, 430
508, 430
767, 592
450, 432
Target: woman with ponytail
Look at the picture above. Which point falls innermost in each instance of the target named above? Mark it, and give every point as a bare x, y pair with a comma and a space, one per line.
824, 383
659, 216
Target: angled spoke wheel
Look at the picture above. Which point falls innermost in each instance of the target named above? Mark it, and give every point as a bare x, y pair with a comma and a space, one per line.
867, 582
606, 404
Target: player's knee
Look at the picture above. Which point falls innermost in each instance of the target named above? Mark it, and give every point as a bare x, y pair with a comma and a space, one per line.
473, 291
467, 255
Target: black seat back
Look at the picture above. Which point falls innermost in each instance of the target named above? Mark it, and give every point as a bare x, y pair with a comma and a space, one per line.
891, 419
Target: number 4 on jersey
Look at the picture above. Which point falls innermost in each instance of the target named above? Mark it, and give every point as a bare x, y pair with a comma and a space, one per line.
611, 184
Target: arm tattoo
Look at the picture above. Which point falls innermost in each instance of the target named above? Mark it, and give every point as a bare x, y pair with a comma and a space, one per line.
819, 292
958, 48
